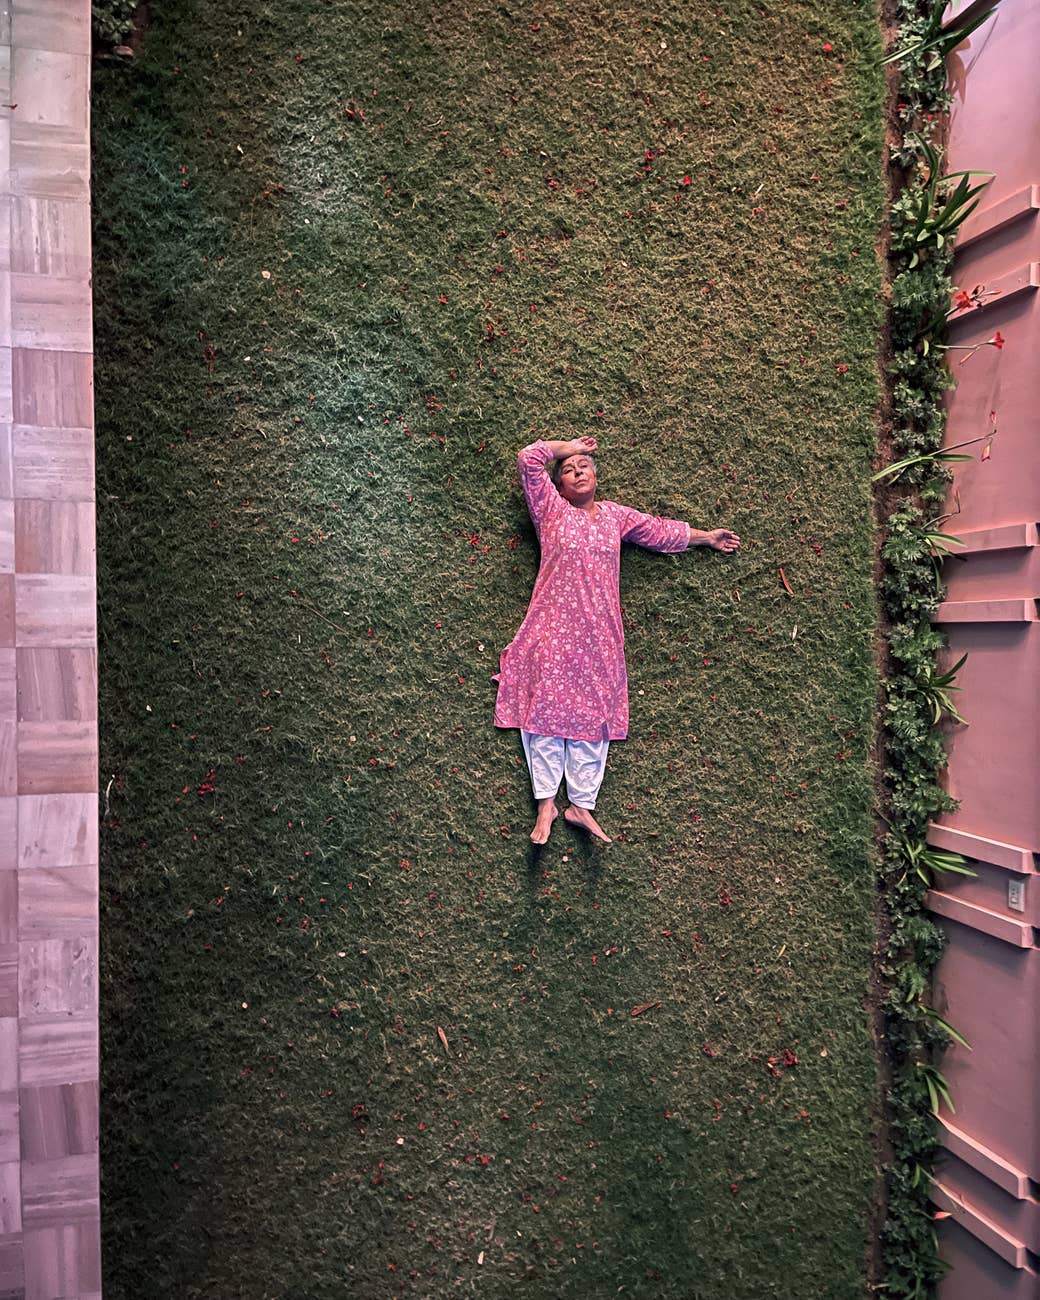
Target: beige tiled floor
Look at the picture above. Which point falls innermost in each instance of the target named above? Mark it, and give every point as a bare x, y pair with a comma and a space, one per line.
49, 1239
46, 25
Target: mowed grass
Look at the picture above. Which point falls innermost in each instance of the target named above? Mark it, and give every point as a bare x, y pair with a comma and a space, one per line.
359, 1039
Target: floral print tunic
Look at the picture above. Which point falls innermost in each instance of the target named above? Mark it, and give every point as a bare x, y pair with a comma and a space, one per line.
564, 674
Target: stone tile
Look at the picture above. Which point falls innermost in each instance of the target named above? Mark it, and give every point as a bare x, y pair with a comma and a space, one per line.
8, 757
6, 131
7, 599
5, 309
10, 1128
57, 830
55, 464
50, 536
12, 1270
56, 904
6, 398
8, 1054
59, 1121
56, 757
57, 975
8, 682
6, 536
54, 685
48, 237
52, 390
45, 25
9, 905
8, 977
51, 161
56, 1049
5, 223
6, 454
54, 610
63, 1262
8, 834
10, 1197
46, 312
50, 87
59, 1191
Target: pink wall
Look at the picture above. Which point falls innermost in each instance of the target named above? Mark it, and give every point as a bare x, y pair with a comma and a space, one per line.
988, 982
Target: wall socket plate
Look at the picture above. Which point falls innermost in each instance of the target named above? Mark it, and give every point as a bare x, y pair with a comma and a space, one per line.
1017, 895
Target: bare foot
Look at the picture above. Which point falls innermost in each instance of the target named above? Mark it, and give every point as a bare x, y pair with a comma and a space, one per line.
575, 816
547, 814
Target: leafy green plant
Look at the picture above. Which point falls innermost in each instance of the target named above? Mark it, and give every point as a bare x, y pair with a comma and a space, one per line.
942, 456
112, 20
933, 213
936, 688
934, 42
926, 861
937, 543
938, 1088
925, 217
947, 1028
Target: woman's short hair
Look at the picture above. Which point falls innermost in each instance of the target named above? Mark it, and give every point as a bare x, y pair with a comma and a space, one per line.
556, 467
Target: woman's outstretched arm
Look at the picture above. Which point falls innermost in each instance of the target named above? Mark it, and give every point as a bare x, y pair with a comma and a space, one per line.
672, 535
721, 539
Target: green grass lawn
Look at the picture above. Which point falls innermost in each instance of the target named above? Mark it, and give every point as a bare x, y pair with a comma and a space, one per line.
349, 258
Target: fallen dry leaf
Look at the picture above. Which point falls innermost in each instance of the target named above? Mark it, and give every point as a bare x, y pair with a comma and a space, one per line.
444, 1039
645, 1006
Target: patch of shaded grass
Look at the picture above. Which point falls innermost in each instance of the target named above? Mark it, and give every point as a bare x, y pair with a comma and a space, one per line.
312, 547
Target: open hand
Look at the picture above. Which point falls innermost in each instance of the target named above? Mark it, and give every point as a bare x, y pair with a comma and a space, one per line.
582, 446
721, 539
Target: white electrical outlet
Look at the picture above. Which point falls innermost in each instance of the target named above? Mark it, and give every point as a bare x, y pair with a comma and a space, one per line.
1017, 895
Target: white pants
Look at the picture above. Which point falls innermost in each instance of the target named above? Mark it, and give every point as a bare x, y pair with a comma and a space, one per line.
582, 762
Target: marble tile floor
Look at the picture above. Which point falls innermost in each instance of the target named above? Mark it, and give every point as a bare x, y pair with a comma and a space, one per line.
49, 1207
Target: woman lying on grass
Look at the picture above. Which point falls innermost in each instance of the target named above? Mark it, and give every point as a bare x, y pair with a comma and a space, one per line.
562, 679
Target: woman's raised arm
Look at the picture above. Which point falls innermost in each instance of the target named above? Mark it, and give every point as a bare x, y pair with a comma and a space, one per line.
533, 463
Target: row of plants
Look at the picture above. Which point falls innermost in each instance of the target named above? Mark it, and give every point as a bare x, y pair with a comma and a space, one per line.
112, 20
929, 207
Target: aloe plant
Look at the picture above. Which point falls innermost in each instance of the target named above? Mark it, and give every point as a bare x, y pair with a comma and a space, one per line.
935, 42
936, 688
938, 1088
939, 543
933, 215
928, 862
947, 1028
944, 456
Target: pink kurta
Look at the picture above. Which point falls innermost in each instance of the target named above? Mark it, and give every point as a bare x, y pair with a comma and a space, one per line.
563, 674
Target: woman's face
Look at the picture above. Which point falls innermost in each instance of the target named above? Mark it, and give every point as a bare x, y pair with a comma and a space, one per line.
578, 480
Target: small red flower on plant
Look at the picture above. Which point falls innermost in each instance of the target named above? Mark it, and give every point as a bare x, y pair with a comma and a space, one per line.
962, 300
998, 340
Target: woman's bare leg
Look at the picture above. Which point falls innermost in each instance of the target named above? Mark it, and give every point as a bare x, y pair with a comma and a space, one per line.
585, 762
575, 816
547, 814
